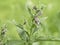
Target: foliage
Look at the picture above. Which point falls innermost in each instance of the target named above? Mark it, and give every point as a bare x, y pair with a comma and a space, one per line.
38, 24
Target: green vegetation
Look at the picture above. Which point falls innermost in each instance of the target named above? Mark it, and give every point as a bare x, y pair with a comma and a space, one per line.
29, 22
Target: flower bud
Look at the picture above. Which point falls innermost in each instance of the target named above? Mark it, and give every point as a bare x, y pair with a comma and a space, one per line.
34, 7
36, 19
39, 12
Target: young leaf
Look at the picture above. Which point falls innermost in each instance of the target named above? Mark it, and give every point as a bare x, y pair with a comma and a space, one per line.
29, 10
22, 33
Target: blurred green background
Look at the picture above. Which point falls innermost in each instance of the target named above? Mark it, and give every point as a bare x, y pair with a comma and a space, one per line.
16, 10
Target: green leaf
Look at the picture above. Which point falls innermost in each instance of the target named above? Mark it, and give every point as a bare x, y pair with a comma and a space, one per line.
23, 34
30, 12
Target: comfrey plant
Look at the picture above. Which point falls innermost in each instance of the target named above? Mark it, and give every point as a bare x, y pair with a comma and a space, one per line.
31, 36
3, 39
28, 37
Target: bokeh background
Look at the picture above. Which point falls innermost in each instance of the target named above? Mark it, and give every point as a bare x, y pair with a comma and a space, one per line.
16, 10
